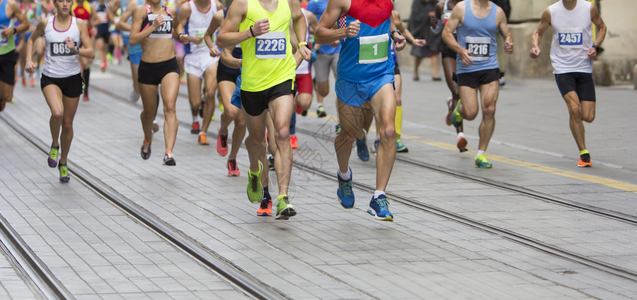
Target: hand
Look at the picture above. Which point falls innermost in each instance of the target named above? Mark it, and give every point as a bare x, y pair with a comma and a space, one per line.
420, 43
6, 31
353, 28
305, 52
535, 52
335, 43
464, 55
399, 42
261, 27
159, 21
196, 40
214, 51
592, 53
508, 47
29, 66
70, 44
183, 38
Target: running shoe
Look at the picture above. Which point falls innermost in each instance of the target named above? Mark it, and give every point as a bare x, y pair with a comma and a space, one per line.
294, 141
134, 96
361, 148
24, 81
376, 145
53, 157
233, 169
265, 209
64, 173
455, 117
85, 96
338, 128
585, 161
195, 128
481, 162
221, 108
222, 143
270, 162
109, 57
449, 110
32, 82
320, 112
155, 126
462, 144
379, 207
202, 140
284, 210
400, 147
3, 104
103, 66
146, 154
255, 189
169, 160
345, 192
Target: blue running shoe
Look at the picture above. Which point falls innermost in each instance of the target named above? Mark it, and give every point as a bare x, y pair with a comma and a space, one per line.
379, 207
361, 149
345, 192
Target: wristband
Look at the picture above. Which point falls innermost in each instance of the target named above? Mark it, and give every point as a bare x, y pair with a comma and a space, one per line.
179, 35
596, 47
302, 44
252, 32
392, 33
15, 30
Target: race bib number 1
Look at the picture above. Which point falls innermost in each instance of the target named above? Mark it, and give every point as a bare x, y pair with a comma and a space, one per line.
271, 45
373, 49
480, 47
570, 37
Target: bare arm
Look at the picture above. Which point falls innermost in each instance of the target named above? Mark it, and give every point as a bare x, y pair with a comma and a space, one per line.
39, 30
217, 19
300, 29
136, 35
87, 46
596, 18
229, 60
114, 5
228, 36
128, 13
184, 14
325, 33
456, 18
536, 37
400, 27
17, 13
312, 21
504, 30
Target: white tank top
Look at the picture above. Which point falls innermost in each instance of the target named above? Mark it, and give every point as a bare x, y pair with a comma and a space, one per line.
59, 61
197, 25
304, 67
572, 38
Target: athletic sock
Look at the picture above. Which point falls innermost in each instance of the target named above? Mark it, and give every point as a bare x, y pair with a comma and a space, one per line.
266, 193
377, 193
585, 151
399, 120
460, 134
480, 152
195, 119
347, 176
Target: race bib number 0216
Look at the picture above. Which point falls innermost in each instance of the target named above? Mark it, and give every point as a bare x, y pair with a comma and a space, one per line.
570, 37
60, 49
373, 49
271, 45
480, 47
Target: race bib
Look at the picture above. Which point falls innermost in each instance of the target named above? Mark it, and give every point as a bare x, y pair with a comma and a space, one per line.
446, 16
373, 49
102, 16
570, 37
60, 49
164, 31
479, 46
271, 45
3, 40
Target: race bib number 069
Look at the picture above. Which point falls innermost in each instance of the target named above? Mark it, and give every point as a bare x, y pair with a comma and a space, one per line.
570, 37
271, 45
480, 47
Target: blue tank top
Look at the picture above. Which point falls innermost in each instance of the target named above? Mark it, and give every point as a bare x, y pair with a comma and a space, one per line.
366, 56
6, 44
478, 35
137, 48
102, 15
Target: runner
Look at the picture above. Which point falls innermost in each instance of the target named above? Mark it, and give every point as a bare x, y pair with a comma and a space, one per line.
326, 59
115, 41
152, 28
9, 9
228, 71
102, 38
194, 19
572, 55
477, 22
84, 11
263, 29
61, 80
28, 9
365, 74
443, 12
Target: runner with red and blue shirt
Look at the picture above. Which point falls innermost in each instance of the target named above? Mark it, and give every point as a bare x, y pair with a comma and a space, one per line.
365, 73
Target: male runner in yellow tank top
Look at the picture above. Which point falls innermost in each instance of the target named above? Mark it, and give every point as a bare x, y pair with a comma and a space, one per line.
268, 71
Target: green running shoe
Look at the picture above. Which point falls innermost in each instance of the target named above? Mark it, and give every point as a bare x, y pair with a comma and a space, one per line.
53, 157
284, 210
481, 162
255, 189
400, 147
455, 117
64, 173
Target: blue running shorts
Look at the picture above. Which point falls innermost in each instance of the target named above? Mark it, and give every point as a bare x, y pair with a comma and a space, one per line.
135, 57
355, 94
236, 96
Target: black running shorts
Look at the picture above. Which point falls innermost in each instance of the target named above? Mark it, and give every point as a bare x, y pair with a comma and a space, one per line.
254, 103
153, 73
70, 86
225, 76
447, 52
7, 67
478, 78
580, 83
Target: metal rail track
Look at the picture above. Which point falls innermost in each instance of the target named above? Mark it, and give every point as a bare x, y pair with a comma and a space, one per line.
246, 282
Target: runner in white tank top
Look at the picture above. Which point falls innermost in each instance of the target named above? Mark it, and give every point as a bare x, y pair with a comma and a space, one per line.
194, 18
61, 81
572, 55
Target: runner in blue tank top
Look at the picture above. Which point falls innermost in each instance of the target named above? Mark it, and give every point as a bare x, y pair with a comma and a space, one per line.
365, 73
477, 23
9, 9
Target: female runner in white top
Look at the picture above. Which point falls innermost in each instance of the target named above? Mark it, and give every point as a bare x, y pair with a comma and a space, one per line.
61, 80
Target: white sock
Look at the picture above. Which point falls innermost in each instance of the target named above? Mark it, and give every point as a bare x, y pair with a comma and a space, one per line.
480, 152
347, 176
460, 134
195, 119
377, 193
320, 105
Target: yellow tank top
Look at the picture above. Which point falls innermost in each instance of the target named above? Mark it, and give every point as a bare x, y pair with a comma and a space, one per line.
267, 59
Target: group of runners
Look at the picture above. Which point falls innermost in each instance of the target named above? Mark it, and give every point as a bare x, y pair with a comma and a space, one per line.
257, 53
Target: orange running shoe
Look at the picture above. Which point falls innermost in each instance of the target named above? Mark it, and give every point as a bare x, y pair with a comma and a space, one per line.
32, 82
266, 208
462, 144
585, 161
202, 140
294, 142
103, 66
233, 169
